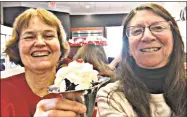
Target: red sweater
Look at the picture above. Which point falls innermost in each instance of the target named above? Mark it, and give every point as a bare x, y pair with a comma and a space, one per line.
17, 99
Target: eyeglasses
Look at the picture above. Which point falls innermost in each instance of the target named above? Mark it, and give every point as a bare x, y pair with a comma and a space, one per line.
155, 28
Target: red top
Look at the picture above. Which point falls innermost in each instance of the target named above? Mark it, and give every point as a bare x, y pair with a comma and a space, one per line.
17, 99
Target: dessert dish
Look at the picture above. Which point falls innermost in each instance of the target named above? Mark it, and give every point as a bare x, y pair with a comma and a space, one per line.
78, 75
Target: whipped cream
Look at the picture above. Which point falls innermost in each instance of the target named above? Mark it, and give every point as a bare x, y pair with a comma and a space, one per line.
80, 73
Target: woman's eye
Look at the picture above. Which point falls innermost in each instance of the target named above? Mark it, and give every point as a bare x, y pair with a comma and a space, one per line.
28, 37
136, 32
49, 36
158, 28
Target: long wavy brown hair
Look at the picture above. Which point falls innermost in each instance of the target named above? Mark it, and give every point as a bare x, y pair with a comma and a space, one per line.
95, 55
175, 83
22, 21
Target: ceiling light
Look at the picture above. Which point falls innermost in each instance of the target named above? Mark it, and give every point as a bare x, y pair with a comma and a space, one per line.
87, 6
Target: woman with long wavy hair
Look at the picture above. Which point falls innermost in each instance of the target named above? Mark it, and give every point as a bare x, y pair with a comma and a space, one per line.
151, 77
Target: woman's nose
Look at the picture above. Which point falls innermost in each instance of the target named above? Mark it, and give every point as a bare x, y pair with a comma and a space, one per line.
148, 36
40, 41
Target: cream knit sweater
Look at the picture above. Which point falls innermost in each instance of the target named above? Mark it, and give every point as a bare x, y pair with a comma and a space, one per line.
121, 107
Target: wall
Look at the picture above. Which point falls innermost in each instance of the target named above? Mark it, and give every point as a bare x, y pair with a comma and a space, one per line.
65, 20
10, 13
1, 12
114, 37
103, 20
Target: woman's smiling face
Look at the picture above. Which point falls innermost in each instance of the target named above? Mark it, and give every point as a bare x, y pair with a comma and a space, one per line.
152, 49
39, 46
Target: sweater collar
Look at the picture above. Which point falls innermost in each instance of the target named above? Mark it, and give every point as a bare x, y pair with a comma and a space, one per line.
154, 79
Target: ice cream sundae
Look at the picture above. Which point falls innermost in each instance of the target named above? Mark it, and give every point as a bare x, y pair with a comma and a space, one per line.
78, 75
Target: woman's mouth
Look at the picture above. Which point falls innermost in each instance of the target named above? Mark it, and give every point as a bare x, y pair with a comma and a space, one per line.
150, 49
40, 54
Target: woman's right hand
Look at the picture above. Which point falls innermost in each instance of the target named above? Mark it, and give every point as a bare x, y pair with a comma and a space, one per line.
59, 107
